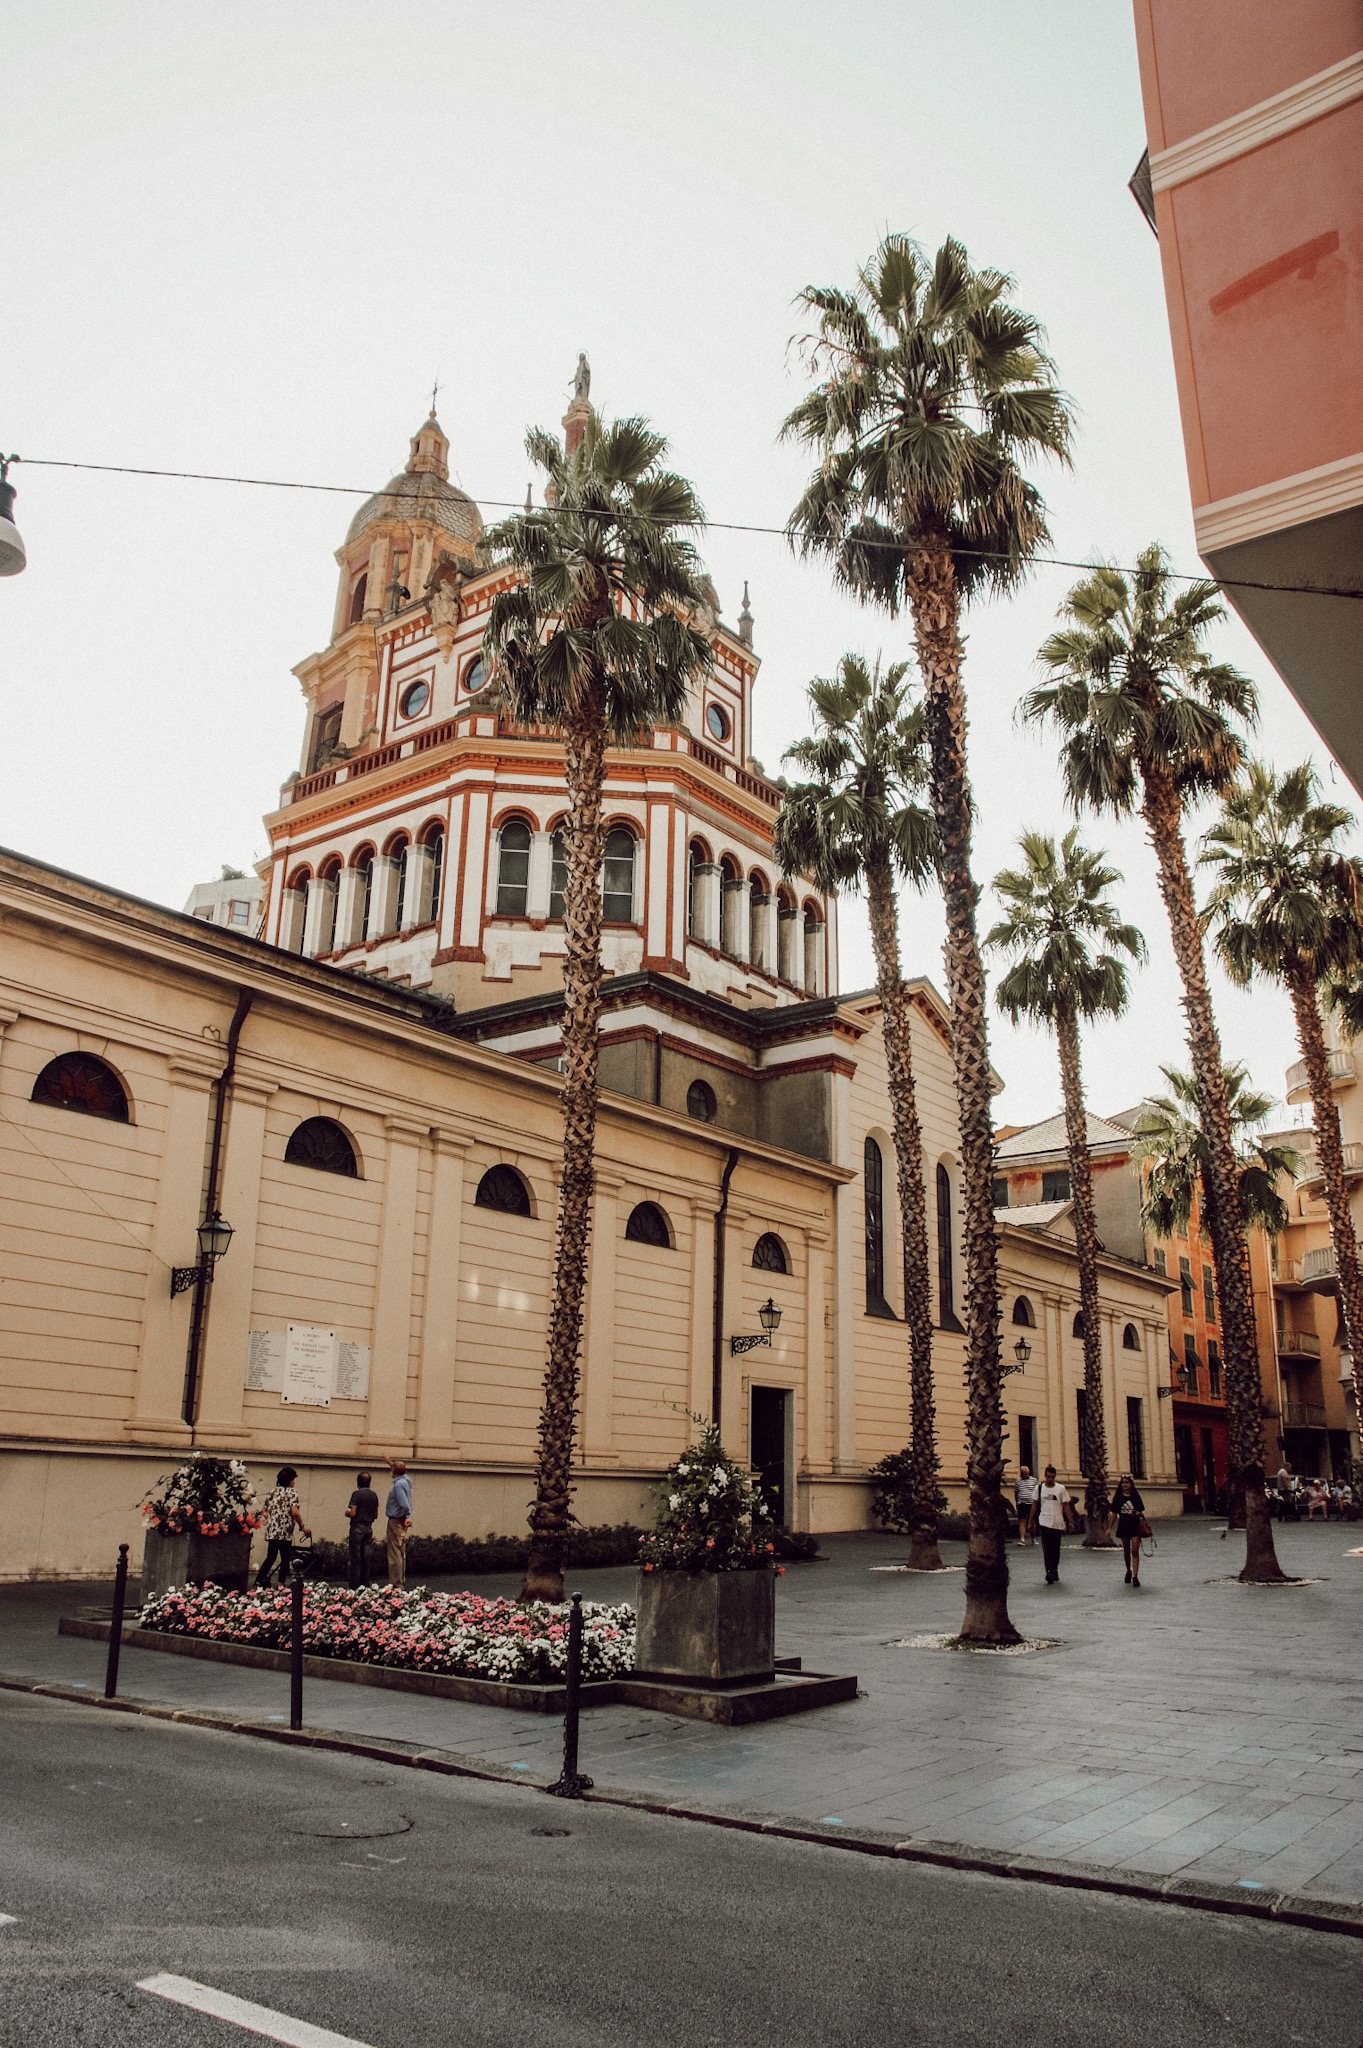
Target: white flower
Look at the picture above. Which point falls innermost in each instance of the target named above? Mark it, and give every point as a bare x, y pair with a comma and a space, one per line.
674, 1500
682, 1471
704, 1509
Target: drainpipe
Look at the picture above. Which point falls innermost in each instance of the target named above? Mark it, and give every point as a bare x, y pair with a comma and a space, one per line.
199, 1314
717, 1362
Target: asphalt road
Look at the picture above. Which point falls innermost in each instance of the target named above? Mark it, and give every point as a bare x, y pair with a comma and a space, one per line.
404, 1911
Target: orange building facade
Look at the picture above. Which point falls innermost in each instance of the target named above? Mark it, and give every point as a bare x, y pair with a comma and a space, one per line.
1254, 123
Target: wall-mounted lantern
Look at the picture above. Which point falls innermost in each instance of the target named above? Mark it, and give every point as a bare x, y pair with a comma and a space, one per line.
215, 1234
769, 1316
1022, 1351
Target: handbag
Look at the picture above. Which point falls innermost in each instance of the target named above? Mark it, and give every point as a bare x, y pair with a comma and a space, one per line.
1145, 1532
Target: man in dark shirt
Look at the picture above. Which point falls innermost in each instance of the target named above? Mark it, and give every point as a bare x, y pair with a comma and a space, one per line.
361, 1514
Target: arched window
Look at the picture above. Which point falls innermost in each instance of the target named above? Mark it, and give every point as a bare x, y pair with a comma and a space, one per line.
697, 857
700, 1102
873, 1190
364, 862
648, 1225
1131, 1338
769, 1254
617, 876
357, 599
558, 872
502, 1188
513, 868
946, 1259
395, 894
324, 1146
1077, 1327
326, 735
434, 842
1023, 1312
77, 1080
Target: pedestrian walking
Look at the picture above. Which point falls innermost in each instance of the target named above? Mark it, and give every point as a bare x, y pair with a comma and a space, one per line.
398, 1514
1052, 1513
1129, 1511
1024, 1496
361, 1513
283, 1515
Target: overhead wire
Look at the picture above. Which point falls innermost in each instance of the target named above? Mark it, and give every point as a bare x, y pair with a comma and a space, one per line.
273, 483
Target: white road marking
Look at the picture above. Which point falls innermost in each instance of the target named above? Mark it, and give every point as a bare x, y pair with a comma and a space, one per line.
254, 2019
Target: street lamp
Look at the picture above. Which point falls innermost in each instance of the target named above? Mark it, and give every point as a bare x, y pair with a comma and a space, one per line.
214, 1234
1022, 1351
1183, 1375
769, 1316
12, 556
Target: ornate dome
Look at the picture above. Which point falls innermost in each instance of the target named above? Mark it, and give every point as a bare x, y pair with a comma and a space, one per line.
409, 497
423, 491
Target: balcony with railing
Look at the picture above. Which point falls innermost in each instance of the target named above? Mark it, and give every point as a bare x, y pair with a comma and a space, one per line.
1298, 1344
1314, 1273
1310, 1175
1342, 1075
1303, 1415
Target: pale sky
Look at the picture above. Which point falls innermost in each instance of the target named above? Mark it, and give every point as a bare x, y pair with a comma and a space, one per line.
246, 238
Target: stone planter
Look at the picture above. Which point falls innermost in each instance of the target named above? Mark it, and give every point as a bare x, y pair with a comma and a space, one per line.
193, 1561
708, 1628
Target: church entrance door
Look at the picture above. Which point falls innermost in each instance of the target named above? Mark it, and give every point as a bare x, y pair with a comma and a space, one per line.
770, 1448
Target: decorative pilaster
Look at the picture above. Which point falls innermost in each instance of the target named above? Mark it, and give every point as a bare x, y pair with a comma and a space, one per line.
440, 1315
386, 1426
788, 955
156, 1414
737, 910
228, 1315
349, 909
383, 897
598, 1347
319, 924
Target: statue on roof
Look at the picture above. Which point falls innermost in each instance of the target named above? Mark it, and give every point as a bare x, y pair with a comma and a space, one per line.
582, 381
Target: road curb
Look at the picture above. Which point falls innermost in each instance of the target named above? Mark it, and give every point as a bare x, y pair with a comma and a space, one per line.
1292, 1909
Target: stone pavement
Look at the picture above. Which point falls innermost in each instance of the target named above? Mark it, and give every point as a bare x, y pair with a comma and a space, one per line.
1194, 1728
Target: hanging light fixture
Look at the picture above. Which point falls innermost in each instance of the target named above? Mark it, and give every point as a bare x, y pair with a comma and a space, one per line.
769, 1316
215, 1235
12, 555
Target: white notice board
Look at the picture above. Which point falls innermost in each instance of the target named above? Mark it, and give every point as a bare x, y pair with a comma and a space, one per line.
309, 1366
265, 1362
352, 1371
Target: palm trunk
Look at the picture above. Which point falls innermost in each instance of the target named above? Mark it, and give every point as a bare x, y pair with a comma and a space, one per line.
1163, 812
1093, 1446
913, 1211
1330, 1151
584, 766
930, 579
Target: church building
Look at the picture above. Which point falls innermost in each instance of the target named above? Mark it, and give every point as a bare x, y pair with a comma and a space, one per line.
366, 1093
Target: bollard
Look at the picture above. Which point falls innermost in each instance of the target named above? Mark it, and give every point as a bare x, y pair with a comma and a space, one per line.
116, 1622
296, 1647
572, 1783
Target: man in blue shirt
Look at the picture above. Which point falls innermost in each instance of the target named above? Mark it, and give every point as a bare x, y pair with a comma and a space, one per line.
398, 1510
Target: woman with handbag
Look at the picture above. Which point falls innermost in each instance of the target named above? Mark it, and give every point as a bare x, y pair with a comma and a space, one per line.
1129, 1512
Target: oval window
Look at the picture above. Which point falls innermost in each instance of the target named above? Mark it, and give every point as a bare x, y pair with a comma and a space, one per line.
717, 722
414, 698
475, 675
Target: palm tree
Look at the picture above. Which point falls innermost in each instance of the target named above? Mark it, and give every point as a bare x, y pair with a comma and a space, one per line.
595, 638
1055, 914
1147, 719
1286, 906
857, 822
933, 391
1171, 1141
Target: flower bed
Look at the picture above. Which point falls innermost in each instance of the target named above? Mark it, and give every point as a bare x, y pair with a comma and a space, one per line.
458, 1633
203, 1497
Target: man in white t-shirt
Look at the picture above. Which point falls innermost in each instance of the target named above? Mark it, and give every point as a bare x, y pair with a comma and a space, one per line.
1052, 1514
1024, 1495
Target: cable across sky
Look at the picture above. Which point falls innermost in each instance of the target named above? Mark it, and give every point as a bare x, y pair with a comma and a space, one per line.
274, 483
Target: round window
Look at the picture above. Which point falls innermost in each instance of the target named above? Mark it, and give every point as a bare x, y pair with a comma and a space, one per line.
475, 675
414, 698
717, 722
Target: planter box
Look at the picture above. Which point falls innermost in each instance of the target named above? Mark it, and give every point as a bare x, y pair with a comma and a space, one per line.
709, 1628
193, 1561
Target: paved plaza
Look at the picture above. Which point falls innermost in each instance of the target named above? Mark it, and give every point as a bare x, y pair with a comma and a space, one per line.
1194, 1729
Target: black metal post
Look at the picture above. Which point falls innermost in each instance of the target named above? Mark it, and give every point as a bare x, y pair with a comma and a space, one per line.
116, 1622
296, 1648
572, 1784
